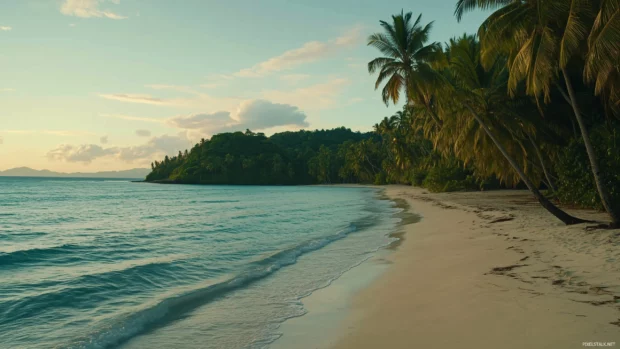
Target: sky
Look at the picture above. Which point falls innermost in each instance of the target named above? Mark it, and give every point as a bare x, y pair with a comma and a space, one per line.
95, 85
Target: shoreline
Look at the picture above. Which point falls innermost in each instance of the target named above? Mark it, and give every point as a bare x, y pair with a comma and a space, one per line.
328, 307
479, 270
488, 270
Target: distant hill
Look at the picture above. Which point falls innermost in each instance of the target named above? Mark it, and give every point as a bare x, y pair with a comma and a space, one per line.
299, 157
29, 172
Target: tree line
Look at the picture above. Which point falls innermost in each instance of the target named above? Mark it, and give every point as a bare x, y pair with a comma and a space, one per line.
531, 100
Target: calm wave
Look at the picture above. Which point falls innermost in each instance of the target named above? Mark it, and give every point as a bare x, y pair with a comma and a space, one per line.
97, 263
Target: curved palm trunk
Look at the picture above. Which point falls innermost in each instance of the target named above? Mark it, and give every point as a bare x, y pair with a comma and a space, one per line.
596, 171
567, 98
548, 205
542, 163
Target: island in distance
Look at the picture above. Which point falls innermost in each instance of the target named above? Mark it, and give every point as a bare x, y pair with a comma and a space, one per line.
135, 173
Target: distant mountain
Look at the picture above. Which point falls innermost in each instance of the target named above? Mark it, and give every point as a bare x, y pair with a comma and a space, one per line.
29, 172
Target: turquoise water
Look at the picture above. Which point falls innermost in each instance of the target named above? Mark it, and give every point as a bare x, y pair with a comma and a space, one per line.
89, 263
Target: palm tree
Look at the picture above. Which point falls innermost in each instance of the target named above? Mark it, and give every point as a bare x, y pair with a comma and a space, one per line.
541, 38
406, 59
602, 65
479, 93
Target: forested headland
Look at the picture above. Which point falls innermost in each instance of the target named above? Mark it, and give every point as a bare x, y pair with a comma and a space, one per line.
531, 100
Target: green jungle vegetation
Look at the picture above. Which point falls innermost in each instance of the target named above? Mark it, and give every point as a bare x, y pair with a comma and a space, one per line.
532, 100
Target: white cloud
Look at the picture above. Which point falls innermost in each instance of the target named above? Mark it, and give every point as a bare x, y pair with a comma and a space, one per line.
5, 28
309, 52
315, 97
84, 153
252, 114
197, 100
202, 121
72, 24
155, 148
143, 133
103, 140
7, 89
136, 98
88, 9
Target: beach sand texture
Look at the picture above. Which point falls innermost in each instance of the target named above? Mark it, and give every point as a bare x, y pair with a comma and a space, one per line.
490, 270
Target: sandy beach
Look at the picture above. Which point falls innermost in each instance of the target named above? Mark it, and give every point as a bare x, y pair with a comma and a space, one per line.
489, 270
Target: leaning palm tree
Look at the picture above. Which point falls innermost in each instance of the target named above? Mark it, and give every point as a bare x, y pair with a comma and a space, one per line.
405, 64
541, 38
482, 125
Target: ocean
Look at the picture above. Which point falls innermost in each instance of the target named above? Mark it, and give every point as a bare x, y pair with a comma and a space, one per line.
95, 263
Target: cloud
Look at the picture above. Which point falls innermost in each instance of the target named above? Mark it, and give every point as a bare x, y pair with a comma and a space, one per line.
262, 114
143, 133
72, 24
132, 118
85, 153
88, 9
294, 78
198, 100
136, 98
201, 121
1, 140
103, 140
155, 148
315, 97
251, 114
7, 89
5, 28
309, 52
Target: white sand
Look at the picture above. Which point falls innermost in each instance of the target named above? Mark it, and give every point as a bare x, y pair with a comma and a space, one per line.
439, 292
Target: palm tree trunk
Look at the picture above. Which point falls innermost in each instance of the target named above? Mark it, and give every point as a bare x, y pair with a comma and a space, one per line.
548, 205
542, 163
596, 171
567, 98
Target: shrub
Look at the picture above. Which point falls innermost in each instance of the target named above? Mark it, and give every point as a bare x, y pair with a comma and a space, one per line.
380, 178
449, 176
576, 184
417, 177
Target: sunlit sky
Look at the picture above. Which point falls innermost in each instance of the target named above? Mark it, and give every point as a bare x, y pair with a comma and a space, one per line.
91, 85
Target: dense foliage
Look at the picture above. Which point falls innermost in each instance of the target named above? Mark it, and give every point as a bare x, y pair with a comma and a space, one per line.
301, 157
532, 100
575, 181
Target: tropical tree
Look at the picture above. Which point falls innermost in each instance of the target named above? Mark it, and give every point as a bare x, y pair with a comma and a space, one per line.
602, 66
405, 64
541, 39
477, 96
